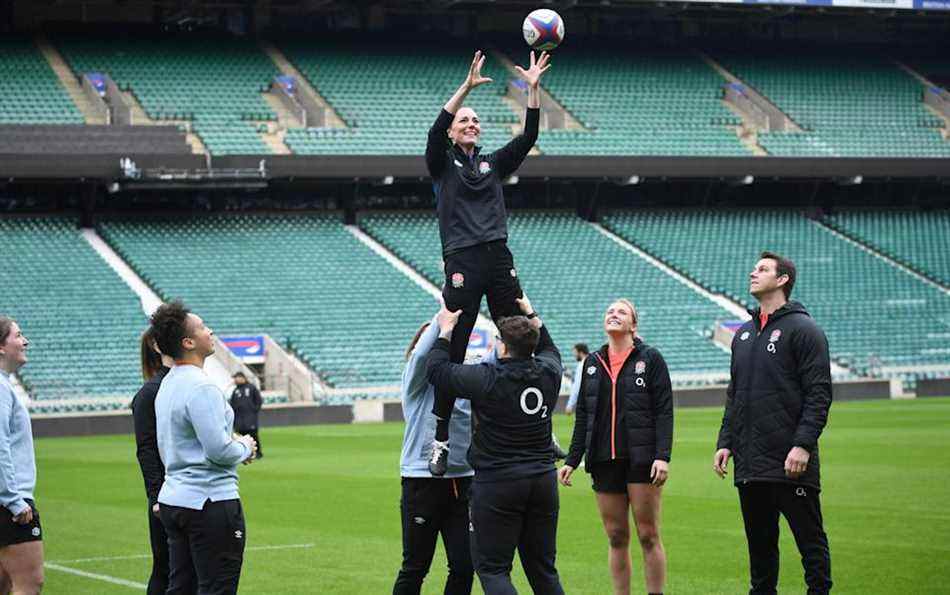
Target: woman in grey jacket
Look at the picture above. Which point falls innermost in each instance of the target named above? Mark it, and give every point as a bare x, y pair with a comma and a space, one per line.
432, 505
21, 539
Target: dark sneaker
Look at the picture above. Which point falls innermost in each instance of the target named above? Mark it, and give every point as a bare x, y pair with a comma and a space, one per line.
439, 461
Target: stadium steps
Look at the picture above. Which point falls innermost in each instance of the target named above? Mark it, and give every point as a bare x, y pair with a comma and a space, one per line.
724, 72
926, 82
70, 82
273, 137
915, 240
570, 122
849, 105
140, 118
333, 119
285, 117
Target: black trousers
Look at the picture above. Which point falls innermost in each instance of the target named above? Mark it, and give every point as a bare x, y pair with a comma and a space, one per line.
431, 507
522, 514
252, 432
800, 505
483, 270
158, 539
205, 547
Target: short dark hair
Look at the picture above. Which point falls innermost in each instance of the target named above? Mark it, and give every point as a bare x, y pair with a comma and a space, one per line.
582, 348
169, 327
519, 335
151, 359
6, 325
783, 266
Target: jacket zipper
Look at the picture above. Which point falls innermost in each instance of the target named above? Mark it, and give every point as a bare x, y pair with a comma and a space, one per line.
613, 400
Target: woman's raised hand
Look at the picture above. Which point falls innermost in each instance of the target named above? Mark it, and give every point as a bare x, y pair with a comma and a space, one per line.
475, 77
538, 67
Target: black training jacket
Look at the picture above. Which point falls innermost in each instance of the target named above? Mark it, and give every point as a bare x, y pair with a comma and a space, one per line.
512, 404
632, 420
246, 402
469, 198
146, 438
778, 396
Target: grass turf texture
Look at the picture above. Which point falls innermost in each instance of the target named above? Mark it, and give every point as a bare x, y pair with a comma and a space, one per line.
886, 468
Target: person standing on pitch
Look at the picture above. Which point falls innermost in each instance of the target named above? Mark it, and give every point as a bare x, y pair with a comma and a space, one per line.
21, 536
199, 503
624, 425
580, 354
432, 505
514, 498
777, 405
154, 368
246, 402
473, 224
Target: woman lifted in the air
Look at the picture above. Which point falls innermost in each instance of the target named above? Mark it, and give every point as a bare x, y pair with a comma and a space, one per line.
472, 219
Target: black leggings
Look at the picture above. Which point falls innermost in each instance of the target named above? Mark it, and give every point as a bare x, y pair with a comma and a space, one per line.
482, 270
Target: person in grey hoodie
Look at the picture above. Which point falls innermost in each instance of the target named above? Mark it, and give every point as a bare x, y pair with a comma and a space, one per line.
198, 503
431, 506
21, 540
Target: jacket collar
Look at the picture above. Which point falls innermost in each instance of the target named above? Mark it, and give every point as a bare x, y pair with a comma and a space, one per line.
790, 307
462, 154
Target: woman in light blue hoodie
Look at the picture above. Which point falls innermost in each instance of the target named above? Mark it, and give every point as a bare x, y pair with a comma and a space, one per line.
432, 505
21, 537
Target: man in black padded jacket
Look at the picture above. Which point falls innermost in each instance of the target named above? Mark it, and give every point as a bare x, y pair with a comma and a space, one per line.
473, 222
777, 406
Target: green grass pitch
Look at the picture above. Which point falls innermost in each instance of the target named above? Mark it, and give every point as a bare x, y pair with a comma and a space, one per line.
331, 494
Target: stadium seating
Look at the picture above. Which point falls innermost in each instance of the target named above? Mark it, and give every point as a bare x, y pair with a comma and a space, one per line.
215, 83
644, 104
390, 94
83, 322
572, 272
848, 107
921, 240
303, 279
30, 93
869, 309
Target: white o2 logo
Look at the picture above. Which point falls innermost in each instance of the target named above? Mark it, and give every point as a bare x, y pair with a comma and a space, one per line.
538, 402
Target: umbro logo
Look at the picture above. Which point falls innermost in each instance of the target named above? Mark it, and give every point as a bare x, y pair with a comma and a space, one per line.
419, 520
238, 534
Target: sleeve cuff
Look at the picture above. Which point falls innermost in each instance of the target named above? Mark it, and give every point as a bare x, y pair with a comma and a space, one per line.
18, 507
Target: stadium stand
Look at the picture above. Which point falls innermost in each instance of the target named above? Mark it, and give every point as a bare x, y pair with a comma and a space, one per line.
877, 316
915, 238
572, 272
645, 104
86, 139
389, 95
30, 93
83, 322
214, 83
303, 279
847, 106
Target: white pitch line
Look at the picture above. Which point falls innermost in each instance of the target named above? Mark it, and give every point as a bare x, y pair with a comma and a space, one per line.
253, 548
98, 577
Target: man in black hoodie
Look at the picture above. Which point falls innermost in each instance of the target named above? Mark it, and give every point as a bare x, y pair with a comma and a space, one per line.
777, 405
513, 502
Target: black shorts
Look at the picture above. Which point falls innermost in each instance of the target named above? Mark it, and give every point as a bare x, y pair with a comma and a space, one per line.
12, 533
612, 477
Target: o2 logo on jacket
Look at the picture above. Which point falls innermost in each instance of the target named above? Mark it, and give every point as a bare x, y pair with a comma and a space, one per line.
538, 402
